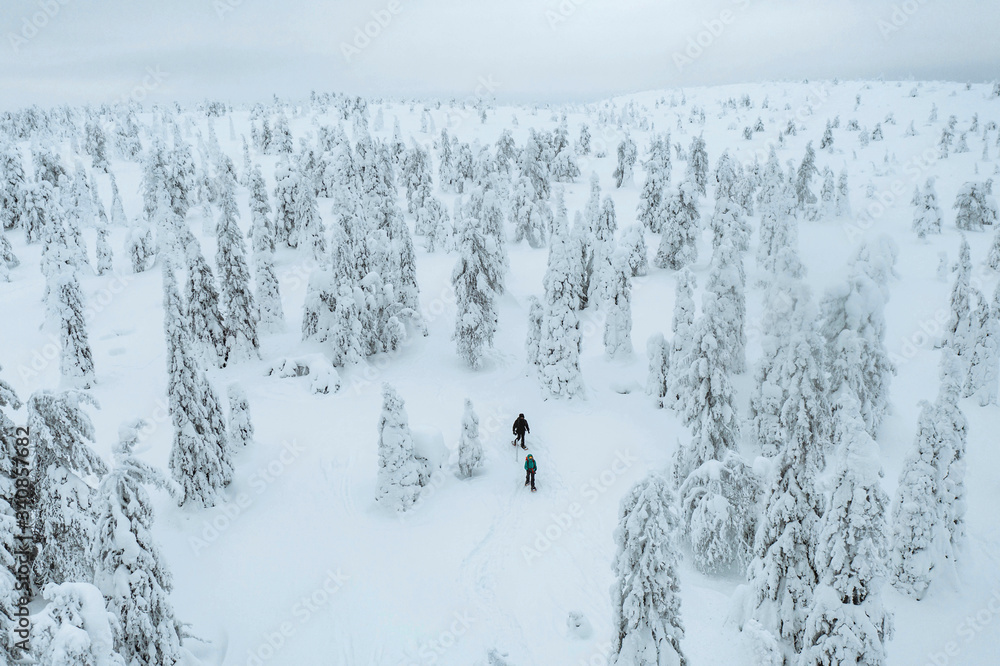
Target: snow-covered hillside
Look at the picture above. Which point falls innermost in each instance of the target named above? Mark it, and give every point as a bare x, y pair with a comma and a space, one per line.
297, 563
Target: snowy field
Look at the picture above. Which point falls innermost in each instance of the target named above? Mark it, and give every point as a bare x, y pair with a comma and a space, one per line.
298, 564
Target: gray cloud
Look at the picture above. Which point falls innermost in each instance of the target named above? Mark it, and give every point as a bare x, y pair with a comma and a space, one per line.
96, 50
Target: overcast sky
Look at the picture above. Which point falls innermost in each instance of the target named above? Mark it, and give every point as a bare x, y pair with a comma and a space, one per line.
56, 51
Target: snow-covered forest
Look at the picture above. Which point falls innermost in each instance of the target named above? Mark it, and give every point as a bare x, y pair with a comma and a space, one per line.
260, 364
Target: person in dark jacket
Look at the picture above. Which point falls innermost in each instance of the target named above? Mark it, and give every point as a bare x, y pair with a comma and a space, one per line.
530, 466
520, 427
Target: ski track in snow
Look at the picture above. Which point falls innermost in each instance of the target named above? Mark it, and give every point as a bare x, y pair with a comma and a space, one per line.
480, 566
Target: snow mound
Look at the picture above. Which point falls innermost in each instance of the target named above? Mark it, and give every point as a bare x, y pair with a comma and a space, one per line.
626, 387
579, 626
325, 378
429, 445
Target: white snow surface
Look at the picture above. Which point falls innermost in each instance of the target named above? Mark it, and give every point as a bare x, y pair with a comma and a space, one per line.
300, 566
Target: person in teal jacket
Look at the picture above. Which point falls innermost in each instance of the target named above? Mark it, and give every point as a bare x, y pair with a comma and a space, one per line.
530, 466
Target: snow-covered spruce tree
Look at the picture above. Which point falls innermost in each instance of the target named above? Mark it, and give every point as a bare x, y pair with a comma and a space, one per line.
475, 279
40, 208
727, 281
241, 314
953, 433
492, 218
534, 161
984, 364
401, 474
992, 259
281, 138
748, 180
532, 344
853, 323
529, 221
652, 200
414, 173
118, 218
606, 224
564, 166
975, 206
826, 143
285, 184
718, 511
434, 218
105, 259
593, 206
563, 272
261, 232
126, 137
697, 167
8, 259
60, 512
783, 574
200, 459
627, 156
554, 347
139, 246
75, 627
446, 162
727, 179
100, 212
76, 362
927, 218
58, 262
169, 226
658, 355
272, 314
804, 196
618, 308
345, 336
308, 226
470, 449
559, 351
78, 199
398, 265
155, 175
48, 165
959, 328
847, 622
633, 242
583, 142
827, 193
787, 311
842, 202
679, 233
682, 327
206, 325
239, 425
581, 239
12, 186
180, 175
646, 592
706, 394
70, 226
727, 223
777, 226
130, 570
916, 515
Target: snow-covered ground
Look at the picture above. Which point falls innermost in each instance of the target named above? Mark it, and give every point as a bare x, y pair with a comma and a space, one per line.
301, 567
